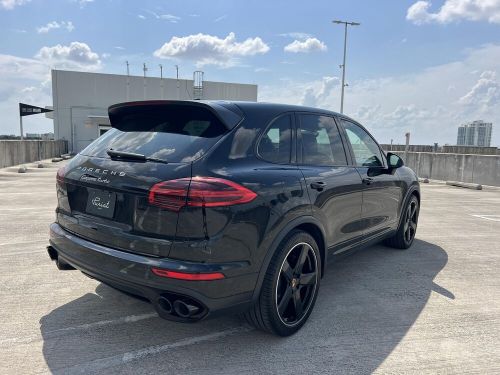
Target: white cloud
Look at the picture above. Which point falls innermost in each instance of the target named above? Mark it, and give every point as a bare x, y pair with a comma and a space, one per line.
211, 50
320, 91
68, 25
83, 3
421, 103
170, 18
485, 93
297, 35
23, 80
455, 10
119, 48
306, 46
218, 19
11, 4
74, 55
167, 17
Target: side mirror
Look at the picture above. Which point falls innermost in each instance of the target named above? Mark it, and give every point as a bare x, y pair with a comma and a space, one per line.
394, 161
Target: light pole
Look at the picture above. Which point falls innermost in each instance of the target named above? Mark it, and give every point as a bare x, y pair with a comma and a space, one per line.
345, 23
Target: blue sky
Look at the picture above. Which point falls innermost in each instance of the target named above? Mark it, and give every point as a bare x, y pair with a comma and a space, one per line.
412, 65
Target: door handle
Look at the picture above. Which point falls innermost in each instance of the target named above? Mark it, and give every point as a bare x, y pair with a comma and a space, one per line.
318, 185
367, 180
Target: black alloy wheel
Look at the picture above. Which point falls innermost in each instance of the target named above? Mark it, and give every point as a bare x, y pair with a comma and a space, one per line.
410, 225
290, 286
405, 235
296, 284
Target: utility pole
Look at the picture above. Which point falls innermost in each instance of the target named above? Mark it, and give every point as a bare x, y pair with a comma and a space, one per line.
21, 126
161, 80
128, 81
145, 69
345, 23
177, 75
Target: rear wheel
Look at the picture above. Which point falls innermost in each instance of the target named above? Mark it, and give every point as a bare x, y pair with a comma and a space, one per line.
405, 235
290, 286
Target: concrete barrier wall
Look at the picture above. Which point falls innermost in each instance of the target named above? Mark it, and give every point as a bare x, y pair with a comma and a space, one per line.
443, 149
19, 152
479, 169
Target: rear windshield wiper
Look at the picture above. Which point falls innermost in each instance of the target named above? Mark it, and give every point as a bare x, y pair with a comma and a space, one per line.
132, 156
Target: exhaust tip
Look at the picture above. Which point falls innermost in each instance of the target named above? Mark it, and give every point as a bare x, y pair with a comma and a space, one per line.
52, 252
165, 304
185, 310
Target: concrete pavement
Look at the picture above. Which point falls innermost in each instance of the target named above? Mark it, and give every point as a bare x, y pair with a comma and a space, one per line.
434, 308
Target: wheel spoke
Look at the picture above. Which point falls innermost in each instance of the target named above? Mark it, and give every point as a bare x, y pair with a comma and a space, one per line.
301, 260
307, 278
408, 235
413, 226
413, 211
287, 271
297, 303
285, 300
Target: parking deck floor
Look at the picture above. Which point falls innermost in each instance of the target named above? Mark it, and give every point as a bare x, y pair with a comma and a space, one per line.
434, 308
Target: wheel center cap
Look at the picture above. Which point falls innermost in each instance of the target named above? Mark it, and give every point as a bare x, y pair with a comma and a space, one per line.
294, 283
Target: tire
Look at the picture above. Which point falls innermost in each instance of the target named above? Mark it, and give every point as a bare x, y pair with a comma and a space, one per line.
290, 286
405, 235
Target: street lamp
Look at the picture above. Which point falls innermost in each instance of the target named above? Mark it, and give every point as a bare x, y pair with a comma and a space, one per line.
345, 23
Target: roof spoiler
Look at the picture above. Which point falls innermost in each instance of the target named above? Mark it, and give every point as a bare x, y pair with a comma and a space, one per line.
228, 113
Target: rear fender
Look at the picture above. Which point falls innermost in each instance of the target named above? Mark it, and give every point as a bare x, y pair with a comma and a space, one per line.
277, 241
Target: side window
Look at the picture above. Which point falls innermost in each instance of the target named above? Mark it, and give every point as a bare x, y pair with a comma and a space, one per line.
366, 151
276, 143
320, 141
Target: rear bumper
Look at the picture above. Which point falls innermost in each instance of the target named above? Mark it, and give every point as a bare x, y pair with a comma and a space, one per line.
132, 273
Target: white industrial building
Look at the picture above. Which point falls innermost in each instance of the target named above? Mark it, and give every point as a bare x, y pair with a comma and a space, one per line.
81, 100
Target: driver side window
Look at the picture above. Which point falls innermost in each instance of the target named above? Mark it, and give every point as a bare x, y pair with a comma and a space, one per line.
366, 151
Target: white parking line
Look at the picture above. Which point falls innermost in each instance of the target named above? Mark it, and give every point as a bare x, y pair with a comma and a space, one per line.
488, 217
55, 333
120, 359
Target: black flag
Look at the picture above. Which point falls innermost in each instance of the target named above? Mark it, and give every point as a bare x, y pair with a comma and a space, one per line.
26, 110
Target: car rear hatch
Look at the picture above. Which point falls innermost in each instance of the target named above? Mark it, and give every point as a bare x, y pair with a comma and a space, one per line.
104, 192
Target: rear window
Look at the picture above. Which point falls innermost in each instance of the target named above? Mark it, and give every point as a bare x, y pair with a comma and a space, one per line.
174, 133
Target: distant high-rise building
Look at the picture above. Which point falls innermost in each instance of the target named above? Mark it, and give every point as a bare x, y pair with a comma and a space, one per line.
475, 133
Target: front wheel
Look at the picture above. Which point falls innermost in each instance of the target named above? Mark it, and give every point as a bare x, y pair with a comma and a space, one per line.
405, 235
290, 286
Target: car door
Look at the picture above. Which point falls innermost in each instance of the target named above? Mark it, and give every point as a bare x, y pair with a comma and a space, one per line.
382, 191
333, 185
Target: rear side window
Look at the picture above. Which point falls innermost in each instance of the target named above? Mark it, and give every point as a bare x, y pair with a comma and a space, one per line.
275, 144
174, 133
320, 141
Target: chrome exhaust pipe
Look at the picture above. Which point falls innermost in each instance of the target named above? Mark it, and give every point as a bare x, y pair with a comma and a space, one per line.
185, 310
165, 304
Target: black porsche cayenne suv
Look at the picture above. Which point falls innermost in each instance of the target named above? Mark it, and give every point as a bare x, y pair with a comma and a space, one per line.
205, 207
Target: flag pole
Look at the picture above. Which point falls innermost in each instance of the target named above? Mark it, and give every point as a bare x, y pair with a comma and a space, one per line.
21, 122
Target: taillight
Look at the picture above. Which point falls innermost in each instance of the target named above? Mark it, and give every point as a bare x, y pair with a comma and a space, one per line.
61, 172
187, 276
199, 192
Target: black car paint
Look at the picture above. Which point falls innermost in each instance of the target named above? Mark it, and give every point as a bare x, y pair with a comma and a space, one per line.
240, 239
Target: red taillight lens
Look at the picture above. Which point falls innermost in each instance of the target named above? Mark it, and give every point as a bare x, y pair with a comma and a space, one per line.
188, 276
170, 194
61, 172
199, 192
